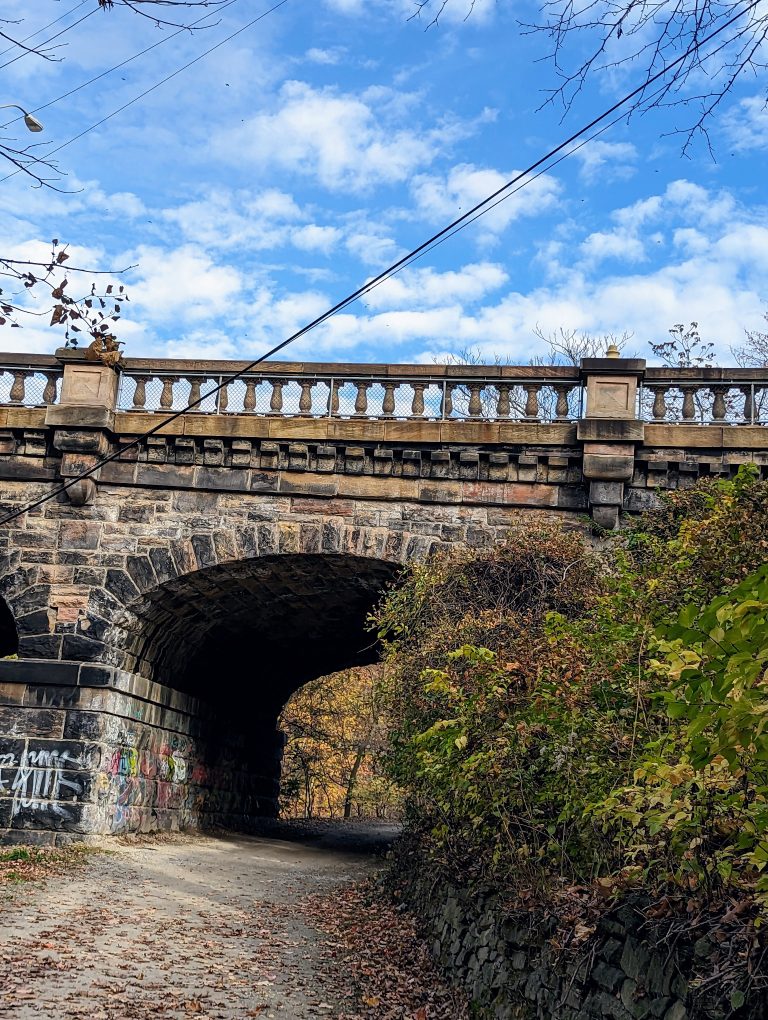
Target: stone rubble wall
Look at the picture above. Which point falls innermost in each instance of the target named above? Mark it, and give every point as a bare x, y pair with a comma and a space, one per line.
512, 970
87, 750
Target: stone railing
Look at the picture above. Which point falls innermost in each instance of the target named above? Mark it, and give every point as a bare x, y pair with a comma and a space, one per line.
434, 392
705, 396
30, 380
686, 396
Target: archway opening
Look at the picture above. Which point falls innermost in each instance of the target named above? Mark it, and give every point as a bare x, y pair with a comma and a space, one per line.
241, 638
260, 627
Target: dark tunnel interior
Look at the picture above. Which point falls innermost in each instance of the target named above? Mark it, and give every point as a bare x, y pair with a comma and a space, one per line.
9, 638
260, 629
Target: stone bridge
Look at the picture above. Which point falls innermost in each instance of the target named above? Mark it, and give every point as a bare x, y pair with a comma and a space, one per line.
160, 613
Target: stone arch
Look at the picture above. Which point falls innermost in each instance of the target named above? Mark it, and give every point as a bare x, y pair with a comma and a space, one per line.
297, 593
240, 620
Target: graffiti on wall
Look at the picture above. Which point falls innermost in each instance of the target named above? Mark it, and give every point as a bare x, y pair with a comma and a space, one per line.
40, 779
136, 783
168, 766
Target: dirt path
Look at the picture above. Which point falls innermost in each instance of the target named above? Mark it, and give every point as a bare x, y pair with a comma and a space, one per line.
200, 927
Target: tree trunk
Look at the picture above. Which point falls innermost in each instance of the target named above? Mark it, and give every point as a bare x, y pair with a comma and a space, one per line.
359, 759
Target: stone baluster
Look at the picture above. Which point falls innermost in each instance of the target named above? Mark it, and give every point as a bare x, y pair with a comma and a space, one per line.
532, 401
166, 397
475, 408
750, 405
19, 386
447, 408
333, 397
502, 404
140, 392
305, 400
249, 400
361, 400
417, 404
194, 392
562, 409
718, 402
222, 399
49, 393
276, 400
388, 403
659, 409
689, 404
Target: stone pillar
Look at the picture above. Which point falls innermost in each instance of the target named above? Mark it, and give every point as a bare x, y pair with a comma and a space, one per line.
83, 419
608, 432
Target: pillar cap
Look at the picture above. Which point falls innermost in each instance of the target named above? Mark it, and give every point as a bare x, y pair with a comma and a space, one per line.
612, 366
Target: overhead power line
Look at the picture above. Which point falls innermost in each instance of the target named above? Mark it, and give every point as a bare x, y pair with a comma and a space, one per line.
39, 46
518, 182
123, 63
44, 28
52, 152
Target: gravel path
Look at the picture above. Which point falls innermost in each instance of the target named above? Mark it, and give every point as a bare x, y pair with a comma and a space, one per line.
191, 927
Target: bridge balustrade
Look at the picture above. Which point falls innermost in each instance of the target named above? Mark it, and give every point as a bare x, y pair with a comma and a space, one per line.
691, 397
338, 394
684, 396
30, 380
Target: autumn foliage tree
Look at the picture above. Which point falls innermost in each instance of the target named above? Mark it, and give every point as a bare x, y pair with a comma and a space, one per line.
336, 732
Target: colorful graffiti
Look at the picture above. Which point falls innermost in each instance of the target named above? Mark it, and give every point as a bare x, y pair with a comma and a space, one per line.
137, 784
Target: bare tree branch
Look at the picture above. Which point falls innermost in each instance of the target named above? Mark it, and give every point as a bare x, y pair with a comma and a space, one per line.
649, 35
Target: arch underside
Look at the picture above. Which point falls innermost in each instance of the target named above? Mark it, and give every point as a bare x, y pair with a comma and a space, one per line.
264, 626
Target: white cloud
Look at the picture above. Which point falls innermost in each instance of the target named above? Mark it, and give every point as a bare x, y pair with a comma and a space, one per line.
368, 244
605, 161
328, 57
452, 12
182, 286
346, 6
444, 198
746, 127
315, 238
427, 287
613, 244
347, 142
226, 219
633, 236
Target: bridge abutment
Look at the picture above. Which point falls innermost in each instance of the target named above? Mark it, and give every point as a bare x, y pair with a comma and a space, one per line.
88, 749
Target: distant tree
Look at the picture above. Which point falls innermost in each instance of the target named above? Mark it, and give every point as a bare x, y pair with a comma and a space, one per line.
685, 349
569, 346
649, 35
336, 732
753, 353
562, 347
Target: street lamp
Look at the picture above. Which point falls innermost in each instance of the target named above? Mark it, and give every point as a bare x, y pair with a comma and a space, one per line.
33, 124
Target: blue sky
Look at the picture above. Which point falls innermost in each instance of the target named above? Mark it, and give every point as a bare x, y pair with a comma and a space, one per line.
276, 175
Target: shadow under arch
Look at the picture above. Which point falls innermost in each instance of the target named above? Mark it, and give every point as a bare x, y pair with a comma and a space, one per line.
254, 630
9, 636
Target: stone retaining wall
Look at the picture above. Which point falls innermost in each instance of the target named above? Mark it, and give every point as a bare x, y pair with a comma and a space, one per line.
91, 749
512, 970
